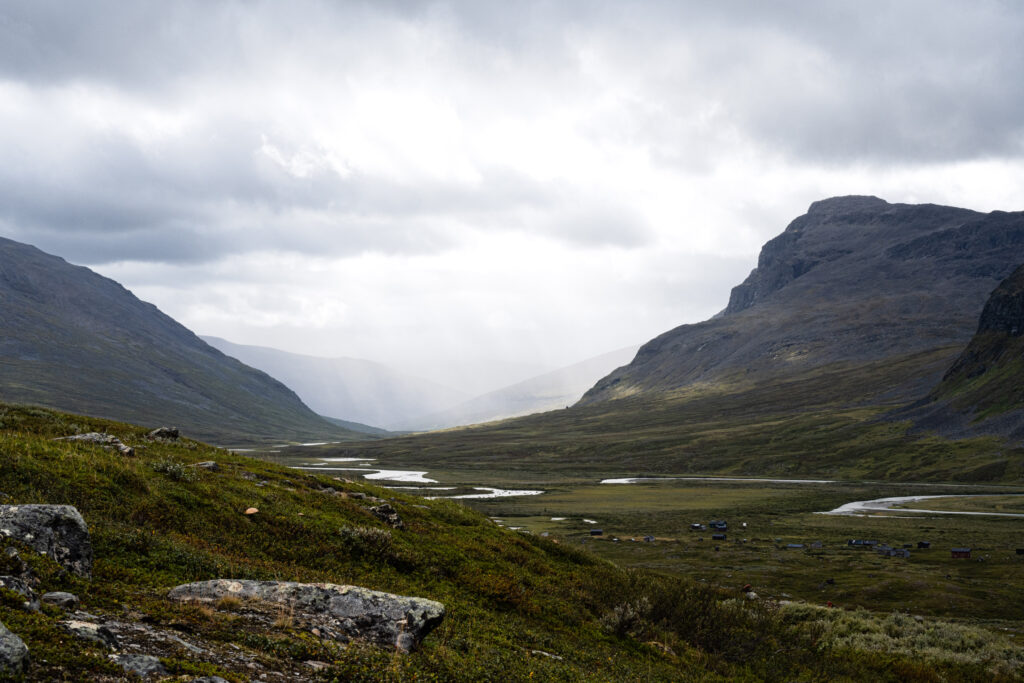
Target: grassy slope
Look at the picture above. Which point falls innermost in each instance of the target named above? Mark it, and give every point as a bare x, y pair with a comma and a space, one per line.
820, 423
988, 381
507, 594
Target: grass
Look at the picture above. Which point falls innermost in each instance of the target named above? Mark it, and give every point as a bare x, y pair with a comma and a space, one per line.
508, 595
627, 611
827, 423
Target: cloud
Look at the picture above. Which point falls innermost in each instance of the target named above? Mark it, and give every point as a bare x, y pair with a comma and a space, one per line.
572, 151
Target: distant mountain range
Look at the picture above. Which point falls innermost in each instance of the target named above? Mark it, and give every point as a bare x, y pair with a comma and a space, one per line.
77, 341
362, 391
553, 390
855, 280
349, 389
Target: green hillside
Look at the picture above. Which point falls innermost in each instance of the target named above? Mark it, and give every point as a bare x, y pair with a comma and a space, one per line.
519, 607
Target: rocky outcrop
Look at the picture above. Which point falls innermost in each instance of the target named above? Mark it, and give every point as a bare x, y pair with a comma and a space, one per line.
163, 434
57, 531
13, 654
329, 610
387, 514
108, 441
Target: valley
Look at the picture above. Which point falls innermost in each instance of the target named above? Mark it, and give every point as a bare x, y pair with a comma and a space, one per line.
776, 514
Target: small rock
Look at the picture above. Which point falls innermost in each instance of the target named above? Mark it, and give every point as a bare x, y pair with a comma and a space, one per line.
316, 665
22, 585
65, 601
207, 465
209, 679
57, 531
751, 595
164, 434
96, 633
251, 511
388, 515
142, 665
13, 654
103, 439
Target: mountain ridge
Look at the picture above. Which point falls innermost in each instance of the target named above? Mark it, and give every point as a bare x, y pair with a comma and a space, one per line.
75, 340
855, 279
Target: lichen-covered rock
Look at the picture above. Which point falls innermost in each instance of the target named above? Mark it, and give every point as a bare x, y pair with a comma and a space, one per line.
164, 434
338, 612
87, 630
141, 665
22, 586
60, 599
103, 439
57, 531
388, 515
13, 654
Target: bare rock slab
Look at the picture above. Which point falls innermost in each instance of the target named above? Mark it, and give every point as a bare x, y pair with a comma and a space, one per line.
13, 654
57, 531
335, 611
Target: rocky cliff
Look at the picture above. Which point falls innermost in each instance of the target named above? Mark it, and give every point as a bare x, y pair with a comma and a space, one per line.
854, 280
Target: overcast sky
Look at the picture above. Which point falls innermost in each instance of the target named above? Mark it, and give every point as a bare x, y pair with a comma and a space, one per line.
437, 185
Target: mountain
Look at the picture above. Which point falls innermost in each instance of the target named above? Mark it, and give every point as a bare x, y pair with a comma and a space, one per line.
349, 389
75, 340
855, 280
550, 391
983, 390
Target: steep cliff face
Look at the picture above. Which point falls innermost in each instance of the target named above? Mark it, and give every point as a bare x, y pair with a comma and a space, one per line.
854, 280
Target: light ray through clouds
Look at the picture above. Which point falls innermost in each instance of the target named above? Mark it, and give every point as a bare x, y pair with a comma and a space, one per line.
447, 184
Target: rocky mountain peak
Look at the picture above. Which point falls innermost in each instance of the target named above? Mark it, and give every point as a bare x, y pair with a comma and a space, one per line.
839, 205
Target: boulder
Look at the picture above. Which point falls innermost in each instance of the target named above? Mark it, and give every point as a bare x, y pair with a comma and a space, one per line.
13, 654
86, 630
57, 531
141, 665
65, 601
388, 515
164, 434
338, 612
103, 439
22, 586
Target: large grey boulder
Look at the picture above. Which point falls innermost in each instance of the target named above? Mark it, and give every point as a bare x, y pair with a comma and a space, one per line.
13, 654
334, 611
57, 531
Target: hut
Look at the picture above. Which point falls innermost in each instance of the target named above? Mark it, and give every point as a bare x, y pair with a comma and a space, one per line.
596, 532
961, 553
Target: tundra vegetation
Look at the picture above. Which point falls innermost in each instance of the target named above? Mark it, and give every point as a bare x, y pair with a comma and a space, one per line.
513, 600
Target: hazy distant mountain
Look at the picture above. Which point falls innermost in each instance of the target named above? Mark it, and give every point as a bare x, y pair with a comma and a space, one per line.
983, 391
77, 341
550, 391
854, 280
348, 388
